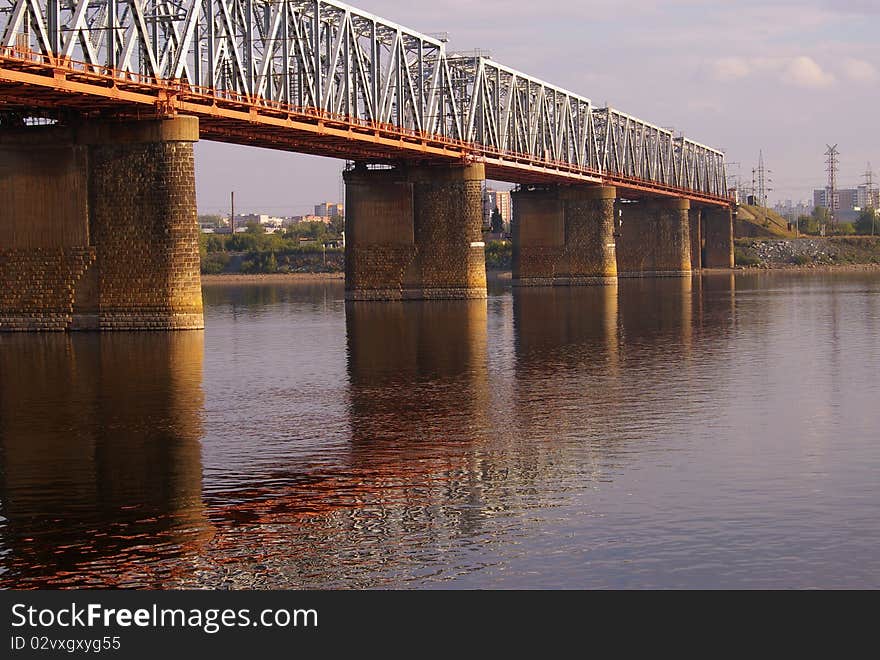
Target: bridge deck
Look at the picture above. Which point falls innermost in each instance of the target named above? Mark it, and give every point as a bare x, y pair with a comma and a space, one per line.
31, 83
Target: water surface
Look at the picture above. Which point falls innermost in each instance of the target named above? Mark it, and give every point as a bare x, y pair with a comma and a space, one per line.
715, 432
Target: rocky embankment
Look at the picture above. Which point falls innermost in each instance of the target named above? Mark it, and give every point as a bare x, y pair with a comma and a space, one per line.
810, 252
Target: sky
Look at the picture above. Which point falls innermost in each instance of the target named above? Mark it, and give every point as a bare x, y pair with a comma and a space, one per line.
785, 77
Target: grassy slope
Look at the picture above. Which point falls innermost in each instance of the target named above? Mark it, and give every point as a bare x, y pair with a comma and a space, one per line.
764, 221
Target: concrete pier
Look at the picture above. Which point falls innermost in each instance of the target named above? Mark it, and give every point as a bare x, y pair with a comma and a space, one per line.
718, 226
654, 239
564, 235
98, 227
696, 236
414, 233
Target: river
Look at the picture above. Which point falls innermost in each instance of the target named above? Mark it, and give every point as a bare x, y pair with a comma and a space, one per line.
716, 432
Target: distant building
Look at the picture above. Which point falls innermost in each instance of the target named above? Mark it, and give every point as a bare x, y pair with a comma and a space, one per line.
866, 198
497, 199
270, 223
845, 199
329, 210
209, 224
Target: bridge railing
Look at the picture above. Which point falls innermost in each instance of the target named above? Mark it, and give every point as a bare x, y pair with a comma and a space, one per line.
328, 60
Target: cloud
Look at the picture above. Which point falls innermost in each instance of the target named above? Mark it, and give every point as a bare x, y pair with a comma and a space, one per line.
730, 68
803, 71
859, 70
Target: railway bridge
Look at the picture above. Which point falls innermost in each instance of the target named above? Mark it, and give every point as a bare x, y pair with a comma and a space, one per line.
102, 100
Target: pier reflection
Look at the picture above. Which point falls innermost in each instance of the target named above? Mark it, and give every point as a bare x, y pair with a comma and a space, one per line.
422, 366
566, 327
715, 300
567, 348
418, 389
596, 366
101, 469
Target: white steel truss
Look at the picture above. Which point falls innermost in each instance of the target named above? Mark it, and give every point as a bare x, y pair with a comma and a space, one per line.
326, 57
511, 112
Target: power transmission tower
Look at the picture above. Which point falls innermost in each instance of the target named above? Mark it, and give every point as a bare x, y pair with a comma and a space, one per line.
831, 164
869, 188
763, 181
871, 201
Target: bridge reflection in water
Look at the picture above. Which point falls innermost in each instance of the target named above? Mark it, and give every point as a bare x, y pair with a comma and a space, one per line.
101, 469
461, 416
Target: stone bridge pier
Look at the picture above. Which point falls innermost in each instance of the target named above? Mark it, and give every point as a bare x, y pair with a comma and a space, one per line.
414, 232
711, 235
563, 235
98, 227
718, 237
695, 227
653, 238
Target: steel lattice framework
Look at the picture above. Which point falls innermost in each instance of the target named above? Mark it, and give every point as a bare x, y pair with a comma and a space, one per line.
283, 60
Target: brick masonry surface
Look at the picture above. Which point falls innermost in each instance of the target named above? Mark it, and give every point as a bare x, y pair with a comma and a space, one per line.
589, 236
414, 233
654, 239
564, 236
39, 286
144, 227
696, 236
718, 225
128, 257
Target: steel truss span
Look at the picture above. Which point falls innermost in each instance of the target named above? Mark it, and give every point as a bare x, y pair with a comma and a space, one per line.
341, 81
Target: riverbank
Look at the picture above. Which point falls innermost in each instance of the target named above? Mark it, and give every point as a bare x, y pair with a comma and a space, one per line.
794, 268
281, 278
268, 278
809, 253
502, 275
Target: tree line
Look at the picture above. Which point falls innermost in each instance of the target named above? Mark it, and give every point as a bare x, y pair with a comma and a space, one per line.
303, 247
865, 224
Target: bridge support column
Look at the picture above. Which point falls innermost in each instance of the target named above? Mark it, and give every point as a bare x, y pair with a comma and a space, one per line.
564, 236
538, 232
98, 227
718, 226
45, 252
696, 234
414, 233
144, 226
654, 239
